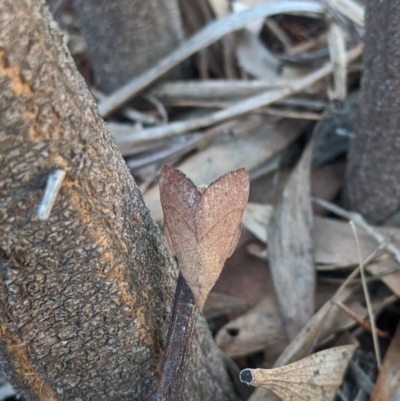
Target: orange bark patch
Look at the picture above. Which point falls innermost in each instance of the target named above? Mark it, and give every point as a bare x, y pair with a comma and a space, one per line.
17, 84
102, 240
26, 372
50, 127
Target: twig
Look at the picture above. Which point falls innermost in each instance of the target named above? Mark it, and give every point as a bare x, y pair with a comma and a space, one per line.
181, 326
53, 185
362, 379
221, 104
279, 33
367, 298
179, 149
208, 35
305, 46
337, 53
159, 106
298, 115
359, 221
350, 9
127, 112
210, 89
365, 325
242, 107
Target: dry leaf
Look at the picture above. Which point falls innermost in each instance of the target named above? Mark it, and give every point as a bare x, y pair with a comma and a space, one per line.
255, 58
256, 219
388, 381
332, 238
259, 329
290, 250
382, 267
202, 228
327, 320
220, 7
314, 378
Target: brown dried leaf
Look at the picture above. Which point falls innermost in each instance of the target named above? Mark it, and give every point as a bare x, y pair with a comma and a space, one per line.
259, 329
256, 219
382, 267
202, 229
388, 381
332, 238
290, 250
315, 378
326, 321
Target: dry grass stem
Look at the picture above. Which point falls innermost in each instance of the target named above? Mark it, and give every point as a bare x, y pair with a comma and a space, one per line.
360, 321
337, 53
367, 298
128, 112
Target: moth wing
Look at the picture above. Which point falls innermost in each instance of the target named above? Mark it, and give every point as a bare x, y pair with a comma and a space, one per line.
218, 222
179, 197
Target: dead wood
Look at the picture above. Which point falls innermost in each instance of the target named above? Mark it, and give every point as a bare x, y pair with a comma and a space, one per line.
85, 294
373, 172
126, 37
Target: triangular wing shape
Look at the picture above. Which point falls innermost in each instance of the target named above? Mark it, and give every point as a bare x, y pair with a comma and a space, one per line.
179, 198
218, 222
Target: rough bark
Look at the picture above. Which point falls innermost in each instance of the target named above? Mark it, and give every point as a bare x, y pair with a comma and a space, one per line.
85, 295
126, 37
373, 175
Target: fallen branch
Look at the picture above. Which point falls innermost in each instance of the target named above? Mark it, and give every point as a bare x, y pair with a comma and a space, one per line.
208, 35
239, 109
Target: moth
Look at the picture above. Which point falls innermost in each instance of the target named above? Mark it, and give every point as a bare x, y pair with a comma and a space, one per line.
202, 226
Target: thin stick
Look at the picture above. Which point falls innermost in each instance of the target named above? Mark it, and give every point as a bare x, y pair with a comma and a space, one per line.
159, 106
365, 325
292, 349
298, 115
53, 185
359, 220
240, 108
367, 297
337, 53
208, 35
127, 112
181, 326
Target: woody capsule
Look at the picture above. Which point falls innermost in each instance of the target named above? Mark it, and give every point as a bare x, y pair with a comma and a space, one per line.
202, 228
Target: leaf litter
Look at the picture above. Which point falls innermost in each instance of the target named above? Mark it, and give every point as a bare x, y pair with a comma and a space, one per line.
221, 123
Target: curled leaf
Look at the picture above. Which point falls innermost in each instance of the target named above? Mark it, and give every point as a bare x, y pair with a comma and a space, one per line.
315, 378
202, 228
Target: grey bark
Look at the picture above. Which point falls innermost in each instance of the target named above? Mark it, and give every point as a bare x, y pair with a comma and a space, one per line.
373, 175
126, 37
85, 295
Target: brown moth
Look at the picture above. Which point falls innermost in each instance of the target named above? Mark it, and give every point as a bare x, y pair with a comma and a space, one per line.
202, 228
315, 377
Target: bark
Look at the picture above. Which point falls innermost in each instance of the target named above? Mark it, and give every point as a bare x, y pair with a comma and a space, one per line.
126, 37
373, 175
85, 295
